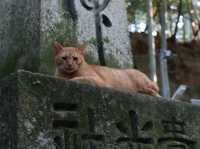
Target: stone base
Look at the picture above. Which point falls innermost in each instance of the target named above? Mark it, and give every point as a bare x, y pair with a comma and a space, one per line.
42, 112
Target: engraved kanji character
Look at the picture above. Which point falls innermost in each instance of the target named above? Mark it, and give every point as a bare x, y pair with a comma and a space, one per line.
134, 137
175, 136
92, 136
65, 123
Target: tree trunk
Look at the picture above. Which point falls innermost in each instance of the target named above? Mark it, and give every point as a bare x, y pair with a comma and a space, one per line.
194, 19
178, 17
165, 90
151, 43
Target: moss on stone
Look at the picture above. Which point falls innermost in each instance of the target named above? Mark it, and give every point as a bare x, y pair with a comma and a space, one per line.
112, 61
15, 26
89, 57
8, 66
22, 49
93, 40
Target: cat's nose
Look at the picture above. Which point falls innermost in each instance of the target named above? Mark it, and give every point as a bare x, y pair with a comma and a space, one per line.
70, 65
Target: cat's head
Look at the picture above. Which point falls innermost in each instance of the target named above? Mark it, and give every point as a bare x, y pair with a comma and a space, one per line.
68, 60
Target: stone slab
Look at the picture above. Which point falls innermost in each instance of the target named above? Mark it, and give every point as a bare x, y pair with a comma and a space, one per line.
42, 112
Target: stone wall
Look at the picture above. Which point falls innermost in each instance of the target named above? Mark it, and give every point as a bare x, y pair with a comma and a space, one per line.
42, 112
28, 28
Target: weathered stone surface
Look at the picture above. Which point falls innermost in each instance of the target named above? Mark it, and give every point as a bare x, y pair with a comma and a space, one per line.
41, 112
28, 28
20, 31
117, 45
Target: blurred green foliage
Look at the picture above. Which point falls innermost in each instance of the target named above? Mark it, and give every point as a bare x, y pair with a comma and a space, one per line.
138, 7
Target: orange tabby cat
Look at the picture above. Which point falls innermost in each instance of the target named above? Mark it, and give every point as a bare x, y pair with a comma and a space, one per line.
70, 64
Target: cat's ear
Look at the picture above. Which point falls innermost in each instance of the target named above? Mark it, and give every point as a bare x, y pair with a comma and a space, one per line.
82, 48
57, 47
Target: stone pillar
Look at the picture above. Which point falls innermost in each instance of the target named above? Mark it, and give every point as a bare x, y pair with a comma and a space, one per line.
20, 34
28, 28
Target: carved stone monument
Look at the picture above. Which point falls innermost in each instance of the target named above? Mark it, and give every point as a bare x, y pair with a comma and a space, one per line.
42, 112
28, 29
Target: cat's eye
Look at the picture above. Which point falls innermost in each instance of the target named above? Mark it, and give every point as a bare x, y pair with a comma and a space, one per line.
75, 58
64, 58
